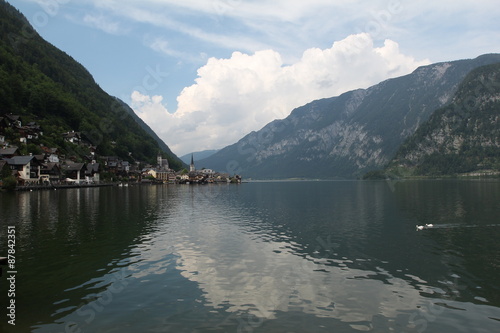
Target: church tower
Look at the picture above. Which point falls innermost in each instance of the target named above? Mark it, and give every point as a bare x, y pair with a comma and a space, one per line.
191, 166
159, 160
164, 164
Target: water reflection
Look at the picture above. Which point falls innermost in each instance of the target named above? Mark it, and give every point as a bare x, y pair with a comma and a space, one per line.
466, 229
450, 202
66, 238
265, 257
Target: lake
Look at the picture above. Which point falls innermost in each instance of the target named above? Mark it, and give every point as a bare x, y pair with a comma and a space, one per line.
339, 256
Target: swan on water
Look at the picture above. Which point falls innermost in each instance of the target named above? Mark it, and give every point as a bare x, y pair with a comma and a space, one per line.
426, 226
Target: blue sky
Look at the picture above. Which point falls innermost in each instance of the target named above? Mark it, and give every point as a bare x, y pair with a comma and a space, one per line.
203, 74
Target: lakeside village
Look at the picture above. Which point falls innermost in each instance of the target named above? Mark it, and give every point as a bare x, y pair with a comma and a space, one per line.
53, 169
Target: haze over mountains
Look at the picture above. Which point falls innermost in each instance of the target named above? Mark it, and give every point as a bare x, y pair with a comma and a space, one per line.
198, 155
348, 135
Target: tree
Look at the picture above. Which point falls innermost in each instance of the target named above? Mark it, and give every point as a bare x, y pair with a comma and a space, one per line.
5, 172
9, 183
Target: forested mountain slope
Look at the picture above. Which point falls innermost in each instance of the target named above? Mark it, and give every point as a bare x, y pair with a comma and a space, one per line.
43, 84
462, 137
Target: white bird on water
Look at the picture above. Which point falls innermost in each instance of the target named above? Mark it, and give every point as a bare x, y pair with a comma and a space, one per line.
426, 226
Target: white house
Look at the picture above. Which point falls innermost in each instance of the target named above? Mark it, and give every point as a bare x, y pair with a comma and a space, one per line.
75, 172
73, 137
92, 173
208, 172
53, 158
149, 172
27, 167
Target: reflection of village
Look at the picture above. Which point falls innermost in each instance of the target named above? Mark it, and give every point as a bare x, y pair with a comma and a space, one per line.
51, 168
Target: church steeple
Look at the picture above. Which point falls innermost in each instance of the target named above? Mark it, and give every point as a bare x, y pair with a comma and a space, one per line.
158, 160
191, 166
162, 163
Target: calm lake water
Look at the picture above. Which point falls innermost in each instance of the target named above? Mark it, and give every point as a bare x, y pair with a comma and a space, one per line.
259, 257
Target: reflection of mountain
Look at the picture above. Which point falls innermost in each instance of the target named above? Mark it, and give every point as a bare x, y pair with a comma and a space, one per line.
244, 264
359, 230
207, 258
462, 212
262, 278
69, 237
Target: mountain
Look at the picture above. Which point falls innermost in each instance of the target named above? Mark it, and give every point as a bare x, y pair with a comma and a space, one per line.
463, 137
43, 84
174, 161
347, 135
198, 155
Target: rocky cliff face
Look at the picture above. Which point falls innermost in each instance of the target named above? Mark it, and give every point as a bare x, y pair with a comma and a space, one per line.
347, 135
462, 137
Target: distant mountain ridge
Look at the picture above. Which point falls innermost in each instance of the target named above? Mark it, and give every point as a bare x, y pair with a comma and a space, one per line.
43, 84
347, 135
174, 161
198, 155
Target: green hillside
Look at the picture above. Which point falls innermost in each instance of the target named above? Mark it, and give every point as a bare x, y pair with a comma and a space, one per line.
463, 137
43, 84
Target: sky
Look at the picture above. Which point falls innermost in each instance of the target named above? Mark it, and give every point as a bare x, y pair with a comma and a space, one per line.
204, 73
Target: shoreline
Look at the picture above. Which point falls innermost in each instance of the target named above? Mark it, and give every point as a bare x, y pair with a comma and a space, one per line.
117, 184
59, 186
26, 188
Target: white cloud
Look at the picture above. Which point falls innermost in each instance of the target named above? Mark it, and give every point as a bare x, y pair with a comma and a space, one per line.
435, 30
232, 97
167, 15
104, 23
271, 74
163, 46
